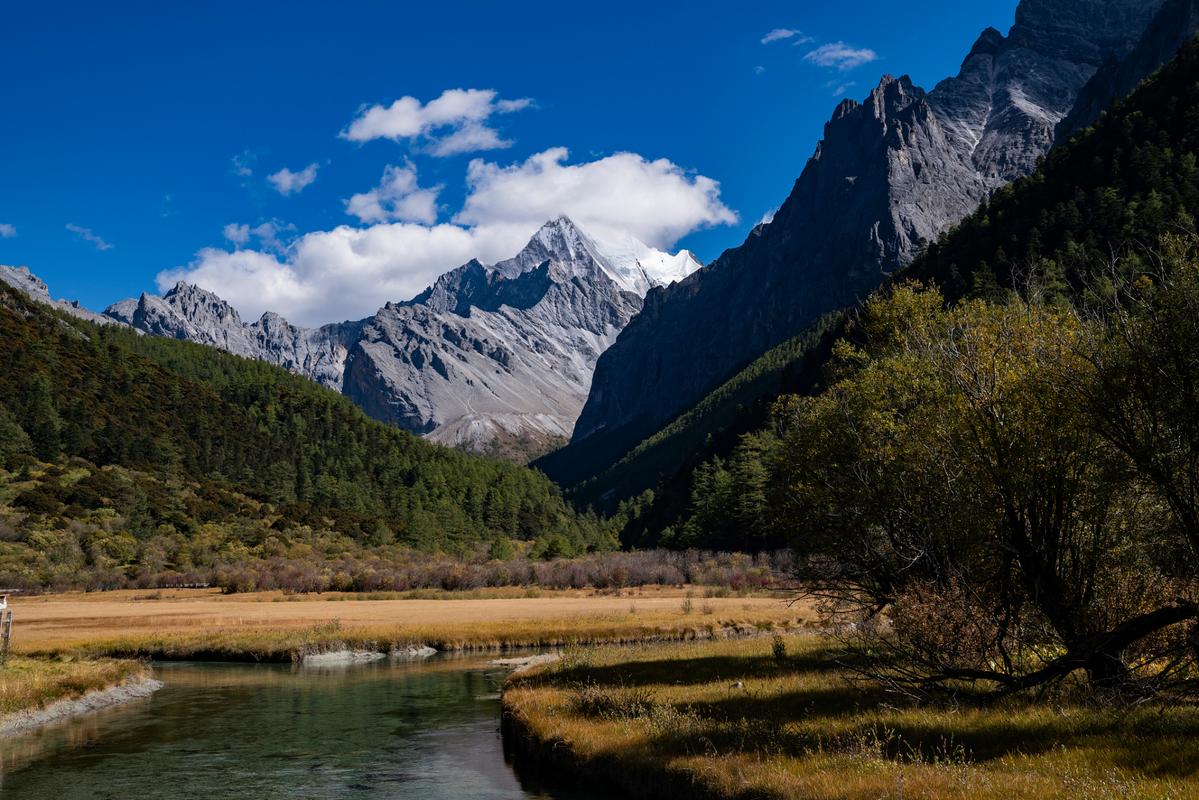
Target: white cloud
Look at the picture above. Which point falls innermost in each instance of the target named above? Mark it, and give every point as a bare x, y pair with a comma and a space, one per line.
656, 201
238, 234
270, 234
348, 272
779, 34
287, 182
839, 88
472, 137
243, 164
7, 231
758, 70
88, 235
840, 56
397, 198
456, 122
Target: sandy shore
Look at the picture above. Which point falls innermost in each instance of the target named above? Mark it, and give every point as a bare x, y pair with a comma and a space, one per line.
31, 719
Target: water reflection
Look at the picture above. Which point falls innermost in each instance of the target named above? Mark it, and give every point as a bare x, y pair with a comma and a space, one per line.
378, 730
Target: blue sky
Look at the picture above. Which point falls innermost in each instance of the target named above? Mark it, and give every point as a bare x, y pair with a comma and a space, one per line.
134, 134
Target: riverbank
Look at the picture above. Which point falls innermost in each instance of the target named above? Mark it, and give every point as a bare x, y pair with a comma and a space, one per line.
205, 625
35, 692
729, 720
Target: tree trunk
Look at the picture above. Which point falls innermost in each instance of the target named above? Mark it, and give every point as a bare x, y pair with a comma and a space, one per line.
1106, 670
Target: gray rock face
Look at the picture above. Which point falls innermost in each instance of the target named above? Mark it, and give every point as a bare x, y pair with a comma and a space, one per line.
24, 281
193, 314
891, 173
320, 353
189, 313
499, 355
1176, 23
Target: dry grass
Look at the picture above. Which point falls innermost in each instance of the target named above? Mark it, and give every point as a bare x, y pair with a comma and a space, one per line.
729, 720
269, 626
32, 683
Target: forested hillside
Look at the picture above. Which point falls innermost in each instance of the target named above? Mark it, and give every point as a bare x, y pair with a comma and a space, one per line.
178, 411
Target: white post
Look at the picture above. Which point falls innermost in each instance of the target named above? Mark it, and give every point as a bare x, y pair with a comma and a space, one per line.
6, 624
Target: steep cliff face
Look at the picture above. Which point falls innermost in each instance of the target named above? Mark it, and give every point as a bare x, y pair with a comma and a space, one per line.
502, 356
319, 353
890, 173
1176, 23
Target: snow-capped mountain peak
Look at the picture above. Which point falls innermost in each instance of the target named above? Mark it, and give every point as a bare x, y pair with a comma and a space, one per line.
628, 262
637, 267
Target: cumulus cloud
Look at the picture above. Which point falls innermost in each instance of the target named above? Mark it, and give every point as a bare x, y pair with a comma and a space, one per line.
656, 201
88, 235
7, 231
238, 234
287, 182
456, 122
779, 34
840, 56
348, 272
272, 234
397, 198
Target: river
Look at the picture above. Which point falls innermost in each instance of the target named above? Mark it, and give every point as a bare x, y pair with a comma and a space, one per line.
426, 730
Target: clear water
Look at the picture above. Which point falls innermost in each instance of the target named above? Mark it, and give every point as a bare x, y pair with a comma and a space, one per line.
421, 731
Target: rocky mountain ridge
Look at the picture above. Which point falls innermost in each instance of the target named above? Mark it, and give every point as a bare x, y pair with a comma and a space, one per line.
24, 281
193, 314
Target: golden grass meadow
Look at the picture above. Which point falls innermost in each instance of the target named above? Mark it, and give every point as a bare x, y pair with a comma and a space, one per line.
727, 719
181, 624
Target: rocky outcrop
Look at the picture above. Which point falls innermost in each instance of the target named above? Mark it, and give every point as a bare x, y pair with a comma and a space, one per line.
24, 281
890, 173
192, 314
189, 313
